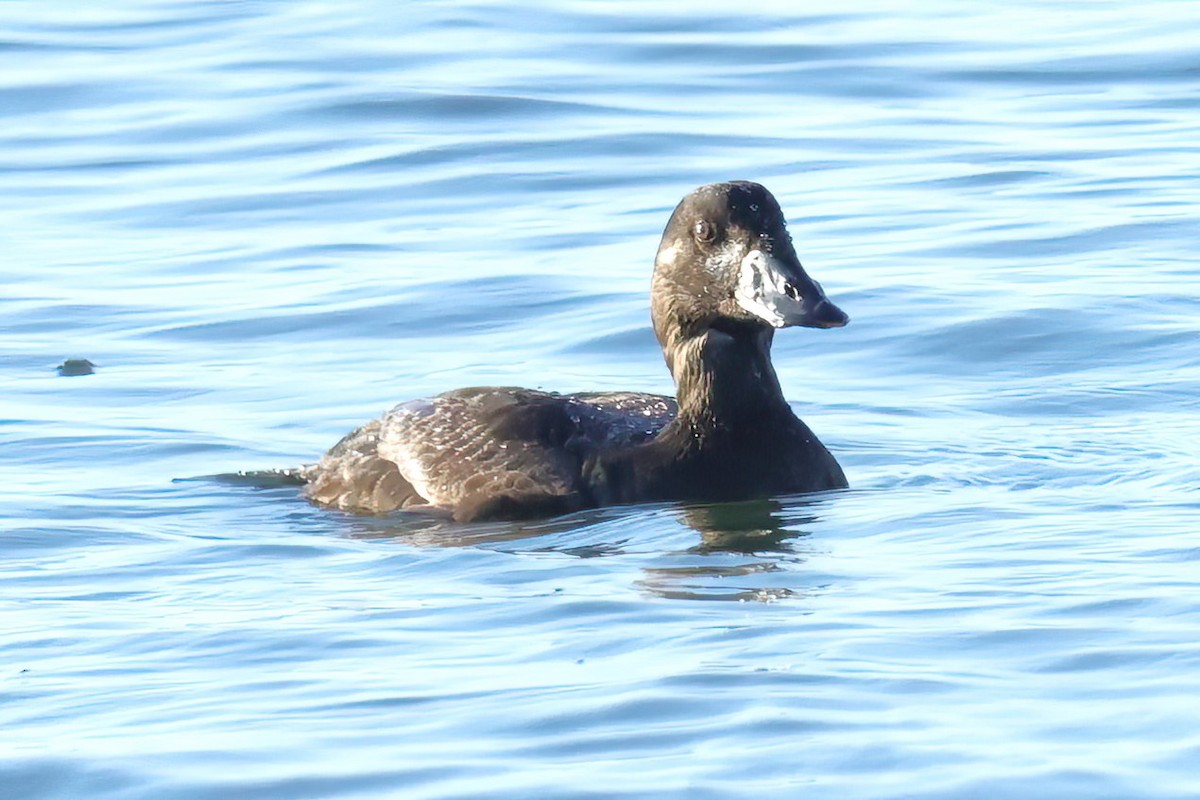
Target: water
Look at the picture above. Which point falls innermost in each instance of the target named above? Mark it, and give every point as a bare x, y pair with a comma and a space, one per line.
267, 222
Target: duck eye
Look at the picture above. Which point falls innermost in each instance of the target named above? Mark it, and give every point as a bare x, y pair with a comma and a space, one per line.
705, 231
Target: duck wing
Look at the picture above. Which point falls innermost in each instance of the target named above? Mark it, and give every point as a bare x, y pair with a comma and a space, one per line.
610, 420
484, 453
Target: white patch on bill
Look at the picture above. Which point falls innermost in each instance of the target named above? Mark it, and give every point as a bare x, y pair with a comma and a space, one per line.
762, 289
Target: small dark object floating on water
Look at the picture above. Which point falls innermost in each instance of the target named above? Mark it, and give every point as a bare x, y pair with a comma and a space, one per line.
74, 367
725, 279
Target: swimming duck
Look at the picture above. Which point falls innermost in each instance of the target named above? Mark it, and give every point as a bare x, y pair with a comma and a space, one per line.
726, 277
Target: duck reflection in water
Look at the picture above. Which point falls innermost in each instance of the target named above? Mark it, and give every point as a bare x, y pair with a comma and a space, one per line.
746, 551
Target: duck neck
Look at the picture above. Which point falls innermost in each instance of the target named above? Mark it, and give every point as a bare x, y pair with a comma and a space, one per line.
724, 379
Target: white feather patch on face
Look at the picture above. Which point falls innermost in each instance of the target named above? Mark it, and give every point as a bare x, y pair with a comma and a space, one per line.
762, 289
667, 255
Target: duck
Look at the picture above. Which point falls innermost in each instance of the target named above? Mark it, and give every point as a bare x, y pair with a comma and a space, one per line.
726, 278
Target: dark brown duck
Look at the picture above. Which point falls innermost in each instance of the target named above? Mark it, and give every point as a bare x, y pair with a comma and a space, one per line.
725, 278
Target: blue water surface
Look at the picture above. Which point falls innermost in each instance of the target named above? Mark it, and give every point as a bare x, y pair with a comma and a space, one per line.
266, 222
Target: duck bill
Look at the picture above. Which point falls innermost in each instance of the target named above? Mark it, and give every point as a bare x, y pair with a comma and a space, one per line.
780, 293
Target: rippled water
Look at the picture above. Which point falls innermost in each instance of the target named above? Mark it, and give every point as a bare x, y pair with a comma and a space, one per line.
266, 222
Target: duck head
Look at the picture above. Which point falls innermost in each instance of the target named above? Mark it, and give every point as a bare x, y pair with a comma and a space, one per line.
726, 263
